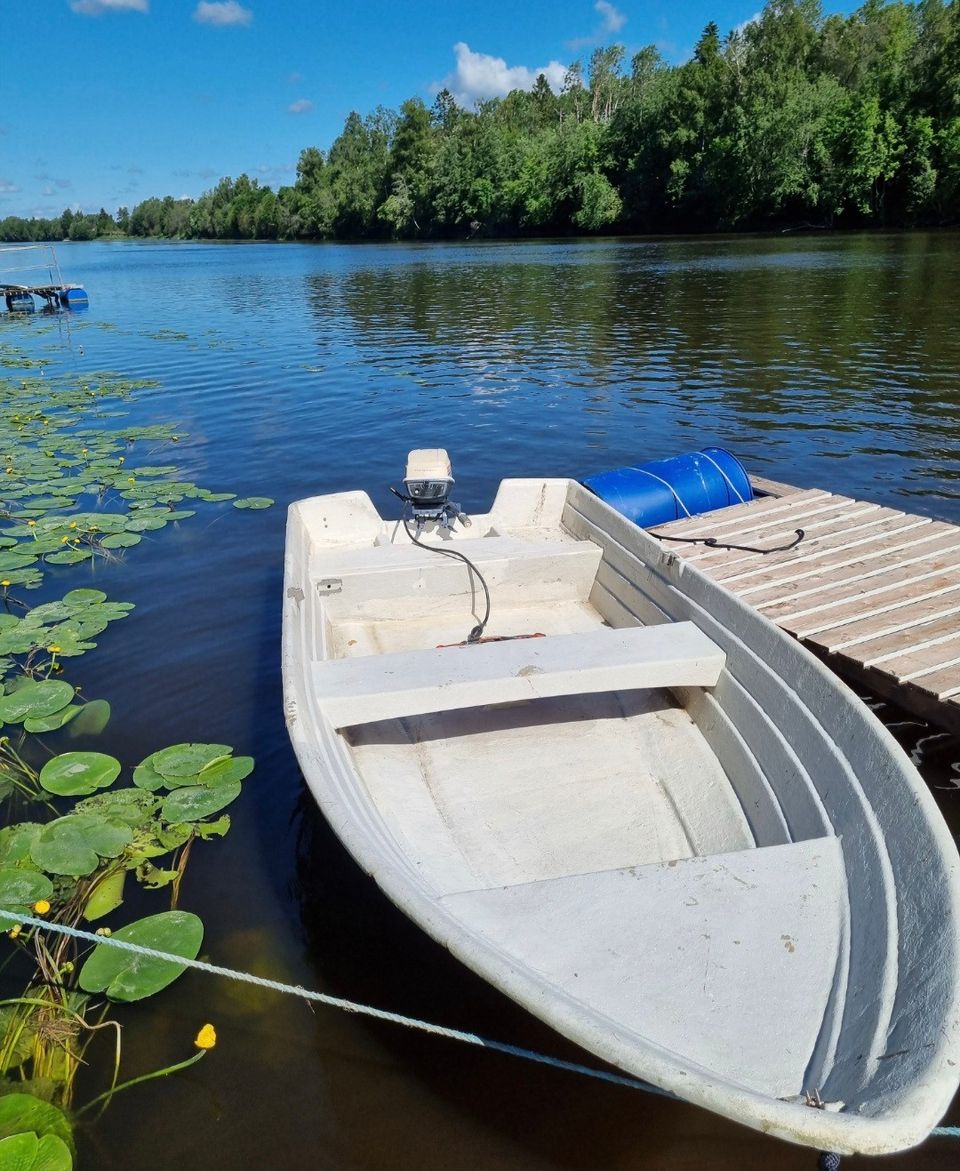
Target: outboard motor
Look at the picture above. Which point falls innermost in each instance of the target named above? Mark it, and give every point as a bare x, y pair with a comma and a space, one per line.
428, 481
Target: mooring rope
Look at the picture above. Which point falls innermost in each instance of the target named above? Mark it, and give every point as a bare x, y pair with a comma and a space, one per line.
358, 1009
351, 1006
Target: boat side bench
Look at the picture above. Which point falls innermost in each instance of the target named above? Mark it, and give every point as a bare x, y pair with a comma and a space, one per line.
368, 688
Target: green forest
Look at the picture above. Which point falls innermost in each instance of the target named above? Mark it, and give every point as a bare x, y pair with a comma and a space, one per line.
795, 119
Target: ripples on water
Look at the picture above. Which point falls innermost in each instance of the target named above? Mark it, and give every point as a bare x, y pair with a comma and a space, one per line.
825, 361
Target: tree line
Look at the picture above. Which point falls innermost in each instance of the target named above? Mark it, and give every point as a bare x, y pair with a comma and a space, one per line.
793, 119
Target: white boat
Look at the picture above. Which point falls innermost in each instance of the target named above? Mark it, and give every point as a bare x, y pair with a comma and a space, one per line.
664, 827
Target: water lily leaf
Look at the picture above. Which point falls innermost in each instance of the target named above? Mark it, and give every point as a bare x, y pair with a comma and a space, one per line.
233, 768
255, 502
127, 976
133, 807
180, 514
69, 556
62, 848
145, 776
196, 801
16, 842
28, 1152
24, 1112
18, 641
22, 888
73, 845
35, 700
153, 878
40, 724
47, 614
92, 720
84, 597
172, 837
213, 829
121, 541
216, 497
146, 524
74, 774
14, 561
184, 760
9, 621
106, 896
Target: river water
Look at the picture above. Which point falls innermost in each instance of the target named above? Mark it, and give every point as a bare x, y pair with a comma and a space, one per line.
827, 361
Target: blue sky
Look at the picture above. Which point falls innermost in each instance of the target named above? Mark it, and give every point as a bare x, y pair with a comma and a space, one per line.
107, 102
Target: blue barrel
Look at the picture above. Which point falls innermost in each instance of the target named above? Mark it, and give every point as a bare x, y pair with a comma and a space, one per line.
74, 297
671, 489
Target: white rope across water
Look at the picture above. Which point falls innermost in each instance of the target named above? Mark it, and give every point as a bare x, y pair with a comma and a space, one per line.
352, 1006
362, 1009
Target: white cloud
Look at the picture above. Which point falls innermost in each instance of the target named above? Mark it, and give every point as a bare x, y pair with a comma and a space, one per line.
300, 106
744, 25
222, 13
98, 7
613, 21
8, 187
479, 76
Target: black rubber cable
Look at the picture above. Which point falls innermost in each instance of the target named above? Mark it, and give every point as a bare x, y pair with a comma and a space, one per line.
477, 632
713, 543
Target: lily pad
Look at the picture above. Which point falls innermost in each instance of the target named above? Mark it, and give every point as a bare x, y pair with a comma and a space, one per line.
69, 557
41, 724
185, 760
24, 1112
107, 895
74, 844
84, 597
16, 842
26, 1152
121, 540
92, 720
196, 801
22, 888
128, 976
75, 774
233, 768
35, 700
254, 502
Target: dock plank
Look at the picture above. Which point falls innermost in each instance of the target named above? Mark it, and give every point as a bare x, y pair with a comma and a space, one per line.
837, 550
873, 605
900, 620
873, 590
831, 523
724, 519
871, 565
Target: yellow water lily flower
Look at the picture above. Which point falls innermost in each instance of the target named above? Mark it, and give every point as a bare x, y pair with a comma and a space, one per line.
206, 1038
6, 581
54, 650
40, 907
15, 930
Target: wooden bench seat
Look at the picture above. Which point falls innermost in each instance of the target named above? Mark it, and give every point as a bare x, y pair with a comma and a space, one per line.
382, 687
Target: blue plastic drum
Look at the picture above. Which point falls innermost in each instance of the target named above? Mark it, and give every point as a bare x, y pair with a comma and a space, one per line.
662, 490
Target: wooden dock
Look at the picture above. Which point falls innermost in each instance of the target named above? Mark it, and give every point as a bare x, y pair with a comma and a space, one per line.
873, 591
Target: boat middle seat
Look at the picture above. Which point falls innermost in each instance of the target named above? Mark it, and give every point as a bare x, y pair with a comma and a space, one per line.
369, 688
392, 581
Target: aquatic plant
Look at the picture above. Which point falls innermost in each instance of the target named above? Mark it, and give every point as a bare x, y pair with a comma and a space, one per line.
69, 492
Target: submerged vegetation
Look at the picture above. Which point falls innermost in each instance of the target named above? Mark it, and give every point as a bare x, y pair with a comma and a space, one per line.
793, 118
76, 835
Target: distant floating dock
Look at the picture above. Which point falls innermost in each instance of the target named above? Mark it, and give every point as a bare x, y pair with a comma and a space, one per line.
54, 292
872, 591
19, 298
